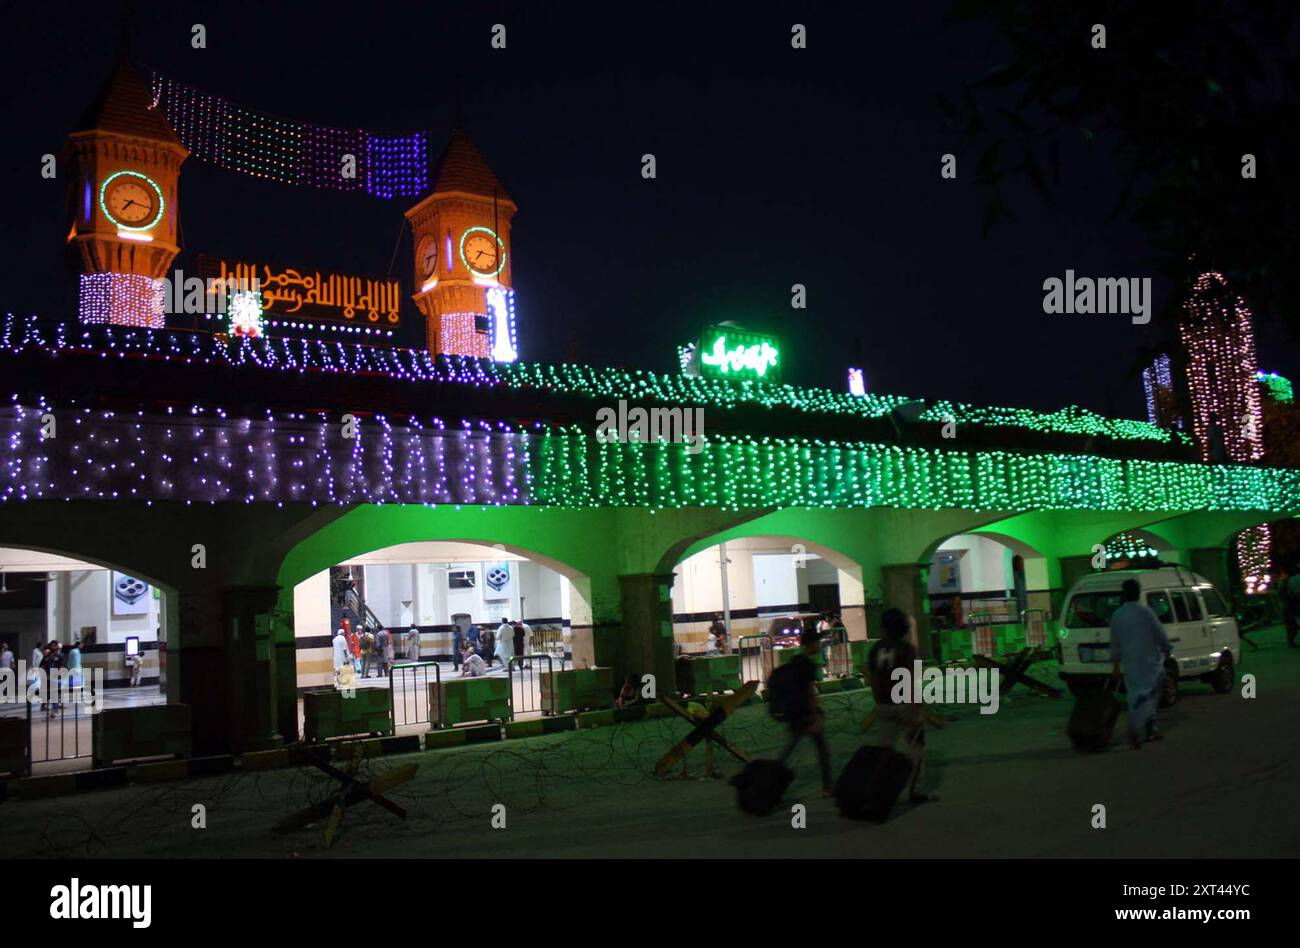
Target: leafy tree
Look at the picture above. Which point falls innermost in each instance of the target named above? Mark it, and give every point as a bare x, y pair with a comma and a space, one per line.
1180, 93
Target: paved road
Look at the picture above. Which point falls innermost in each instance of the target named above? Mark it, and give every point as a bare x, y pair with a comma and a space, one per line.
1222, 783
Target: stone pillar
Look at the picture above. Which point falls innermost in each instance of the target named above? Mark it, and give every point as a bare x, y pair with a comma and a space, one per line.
853, 606
225, 668
906, 587
286, 669
1212, 563
647, 629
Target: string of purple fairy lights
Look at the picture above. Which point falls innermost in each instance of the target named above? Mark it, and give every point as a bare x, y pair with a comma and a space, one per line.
266, 352
300, 153
206, 456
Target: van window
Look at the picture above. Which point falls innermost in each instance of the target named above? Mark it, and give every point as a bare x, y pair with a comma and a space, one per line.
1092, 610
1159, 604
1194, 605
1214, 604
1180, 606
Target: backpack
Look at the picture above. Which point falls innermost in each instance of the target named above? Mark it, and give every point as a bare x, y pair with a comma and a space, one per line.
787, 694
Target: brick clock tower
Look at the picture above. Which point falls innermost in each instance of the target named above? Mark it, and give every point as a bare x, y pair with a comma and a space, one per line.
122, 163
461, 235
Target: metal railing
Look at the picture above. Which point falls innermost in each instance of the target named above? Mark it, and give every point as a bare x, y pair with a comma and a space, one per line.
983, 634
58, 731
1004, 610
836, 660
755, 653
548, 639
526, 674
1035, 623
409, 683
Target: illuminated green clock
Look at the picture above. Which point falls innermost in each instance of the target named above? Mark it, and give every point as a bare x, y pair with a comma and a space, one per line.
131, 200
482, 251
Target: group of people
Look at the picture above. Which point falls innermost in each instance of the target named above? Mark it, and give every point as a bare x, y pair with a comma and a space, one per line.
49, 658
372, 650
475, 650
1139, 648
905, 720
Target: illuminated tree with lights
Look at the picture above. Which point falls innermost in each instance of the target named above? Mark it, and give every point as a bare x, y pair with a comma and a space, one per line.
1227, 415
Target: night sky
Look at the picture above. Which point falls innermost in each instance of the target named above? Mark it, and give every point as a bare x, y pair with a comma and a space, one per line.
775, 166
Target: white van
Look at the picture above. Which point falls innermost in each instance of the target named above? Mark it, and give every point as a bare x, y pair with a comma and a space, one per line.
1201, 628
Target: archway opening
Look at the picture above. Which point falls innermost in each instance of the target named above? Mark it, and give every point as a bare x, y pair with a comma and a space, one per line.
99, 634
986, 573
753, 584
433, 599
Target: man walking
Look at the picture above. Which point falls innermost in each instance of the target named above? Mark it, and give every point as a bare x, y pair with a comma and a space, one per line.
1138, 647
505, 643
906, 720
792, 697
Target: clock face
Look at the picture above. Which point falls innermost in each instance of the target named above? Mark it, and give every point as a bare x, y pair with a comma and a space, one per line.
481, 251
131, 201
426, 255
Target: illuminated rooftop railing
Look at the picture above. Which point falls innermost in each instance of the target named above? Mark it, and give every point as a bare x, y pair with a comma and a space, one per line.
29, 334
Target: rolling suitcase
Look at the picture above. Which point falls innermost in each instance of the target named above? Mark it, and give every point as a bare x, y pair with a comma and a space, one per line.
1092, 722
761, 785
871, 783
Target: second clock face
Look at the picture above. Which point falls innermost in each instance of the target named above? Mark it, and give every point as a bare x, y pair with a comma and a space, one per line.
426, 255
132, 201
482, 252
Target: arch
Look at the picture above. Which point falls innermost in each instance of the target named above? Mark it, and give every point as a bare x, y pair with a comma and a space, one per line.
691, 544
369, 528
833, 556
1208, 529
1157, 542
167, 617
1013, 543
90, 560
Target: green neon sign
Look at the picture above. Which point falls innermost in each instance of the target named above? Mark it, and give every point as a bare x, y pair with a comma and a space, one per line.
726, 352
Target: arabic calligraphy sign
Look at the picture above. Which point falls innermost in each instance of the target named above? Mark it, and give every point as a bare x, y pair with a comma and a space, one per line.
308, 294
731, 353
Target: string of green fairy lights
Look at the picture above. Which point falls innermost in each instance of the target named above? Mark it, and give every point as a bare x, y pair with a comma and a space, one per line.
572, 468
633, 384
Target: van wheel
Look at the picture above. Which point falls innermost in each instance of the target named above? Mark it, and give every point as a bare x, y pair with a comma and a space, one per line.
1169, 686
1224, 676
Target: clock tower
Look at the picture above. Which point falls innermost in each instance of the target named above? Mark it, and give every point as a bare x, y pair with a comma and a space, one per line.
124, 163
461, 235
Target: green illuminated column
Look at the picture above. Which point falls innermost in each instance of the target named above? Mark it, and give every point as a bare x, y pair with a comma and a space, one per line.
1212, 563
647, 629
1064, 572
904, 587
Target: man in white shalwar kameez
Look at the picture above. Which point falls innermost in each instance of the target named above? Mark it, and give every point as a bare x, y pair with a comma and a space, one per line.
1138, 647
342, 655
505, 643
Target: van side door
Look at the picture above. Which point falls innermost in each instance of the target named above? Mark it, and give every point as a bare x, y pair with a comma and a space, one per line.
1222, 624
1158, 602
1193, 631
